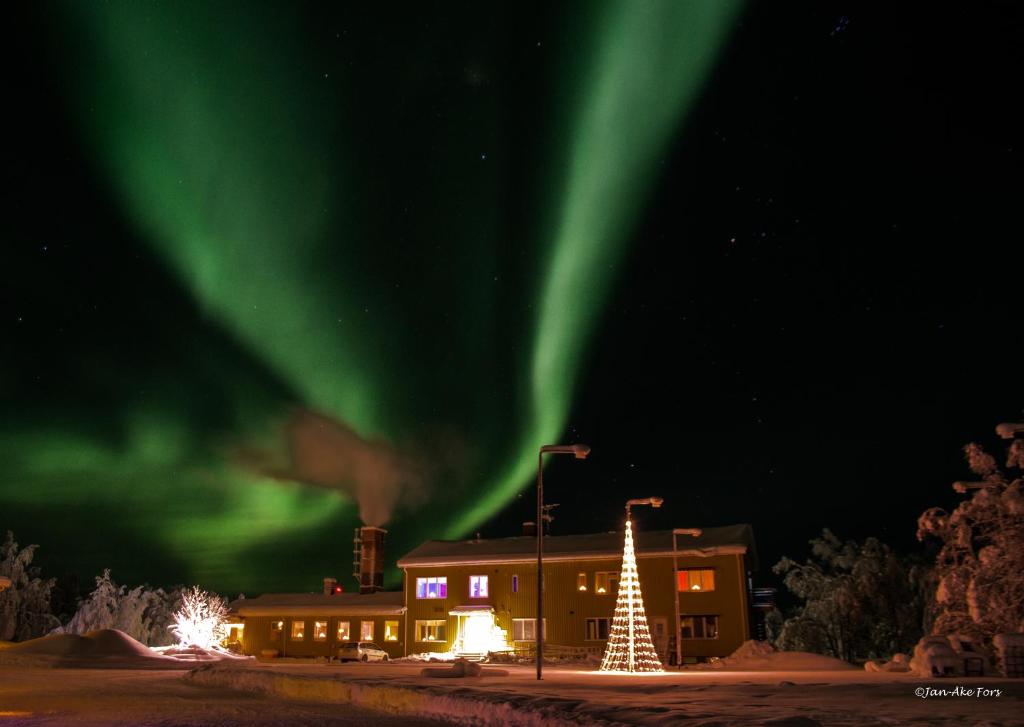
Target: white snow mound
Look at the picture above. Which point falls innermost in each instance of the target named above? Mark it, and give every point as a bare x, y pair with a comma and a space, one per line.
762, 656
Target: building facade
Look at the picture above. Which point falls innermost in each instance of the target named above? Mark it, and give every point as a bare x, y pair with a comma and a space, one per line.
473, 596
309, 625
477, 596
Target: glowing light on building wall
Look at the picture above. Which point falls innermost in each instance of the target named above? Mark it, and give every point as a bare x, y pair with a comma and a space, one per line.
630, 648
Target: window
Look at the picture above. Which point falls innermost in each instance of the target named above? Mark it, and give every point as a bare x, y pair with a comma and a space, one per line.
276, 629
581, 582
432, 630
298, 630
699, 627
478, 586
597, 629
606, 582
696, 579
391, 631
525, 629
432, 587
319, 631
366, 631
515, 584
344, 631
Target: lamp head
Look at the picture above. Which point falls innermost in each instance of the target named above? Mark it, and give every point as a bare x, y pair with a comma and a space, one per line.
580, 451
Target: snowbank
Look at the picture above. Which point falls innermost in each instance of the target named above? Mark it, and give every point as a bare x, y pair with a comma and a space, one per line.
108, 648
461, 668
481, 709
105, 647
762, 656
898, 663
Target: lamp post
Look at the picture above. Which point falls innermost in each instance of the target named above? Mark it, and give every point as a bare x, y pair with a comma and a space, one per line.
678, 630
579, 451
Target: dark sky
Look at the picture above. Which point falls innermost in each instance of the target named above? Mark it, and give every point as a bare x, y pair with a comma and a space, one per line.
794, 286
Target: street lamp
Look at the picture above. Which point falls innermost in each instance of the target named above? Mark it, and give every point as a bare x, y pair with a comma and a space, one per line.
652, 501
579, 451
695, 532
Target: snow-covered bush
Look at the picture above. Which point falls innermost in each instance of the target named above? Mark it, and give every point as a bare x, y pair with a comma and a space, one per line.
25, 604
979, 569
142, 613
200, 622
860, 601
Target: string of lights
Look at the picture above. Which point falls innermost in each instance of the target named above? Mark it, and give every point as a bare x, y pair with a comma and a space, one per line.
630, 648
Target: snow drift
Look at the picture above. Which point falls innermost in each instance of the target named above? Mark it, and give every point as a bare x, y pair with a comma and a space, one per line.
108, 648
762, 656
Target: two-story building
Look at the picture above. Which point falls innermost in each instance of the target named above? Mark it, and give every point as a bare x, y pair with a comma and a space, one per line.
476, 596
472, 595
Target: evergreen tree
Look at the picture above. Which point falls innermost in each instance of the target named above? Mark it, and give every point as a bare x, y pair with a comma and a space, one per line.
25, 604
860, 601
979, 569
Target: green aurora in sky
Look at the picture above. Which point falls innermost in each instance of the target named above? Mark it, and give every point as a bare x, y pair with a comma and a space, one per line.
269, 177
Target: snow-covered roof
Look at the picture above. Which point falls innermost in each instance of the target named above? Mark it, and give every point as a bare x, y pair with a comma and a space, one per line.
521, 549
381, 603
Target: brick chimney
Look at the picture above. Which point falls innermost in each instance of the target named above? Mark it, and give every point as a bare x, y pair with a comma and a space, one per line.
530, 529
370, 548
329, 584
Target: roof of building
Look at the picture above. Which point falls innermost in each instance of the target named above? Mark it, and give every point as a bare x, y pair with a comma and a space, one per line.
712, 541
381, 603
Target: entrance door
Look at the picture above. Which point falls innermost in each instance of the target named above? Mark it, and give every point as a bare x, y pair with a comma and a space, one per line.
659, 632
476, 633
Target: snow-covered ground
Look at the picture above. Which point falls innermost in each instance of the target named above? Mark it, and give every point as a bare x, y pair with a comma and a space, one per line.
755, 686
574, 696
57, 697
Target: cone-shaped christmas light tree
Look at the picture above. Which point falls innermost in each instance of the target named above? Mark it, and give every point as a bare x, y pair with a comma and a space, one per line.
629, 643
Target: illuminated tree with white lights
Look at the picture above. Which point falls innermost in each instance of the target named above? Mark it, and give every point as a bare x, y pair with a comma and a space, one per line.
629, 643
200, 620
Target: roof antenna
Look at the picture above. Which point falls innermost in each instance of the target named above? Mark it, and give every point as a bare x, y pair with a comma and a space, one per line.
547, 517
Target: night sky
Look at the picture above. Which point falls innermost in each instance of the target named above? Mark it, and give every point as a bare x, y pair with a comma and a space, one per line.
270, 267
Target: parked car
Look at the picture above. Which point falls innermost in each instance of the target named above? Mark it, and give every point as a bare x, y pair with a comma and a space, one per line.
361, 651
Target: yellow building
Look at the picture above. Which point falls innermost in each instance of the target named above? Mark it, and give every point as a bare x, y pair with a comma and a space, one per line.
478, 595
305, 625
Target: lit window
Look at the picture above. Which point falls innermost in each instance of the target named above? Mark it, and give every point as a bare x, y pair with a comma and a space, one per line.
696, 579
391, 631
319, 631
432, 587
344, 631
276, 628
478, 586
298, 630
366, 631
699, 627
431, 630
515, 584
606, 583
581, 582
525, 629
597, 629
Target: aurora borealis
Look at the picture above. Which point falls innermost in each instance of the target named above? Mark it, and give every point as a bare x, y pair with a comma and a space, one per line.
716, 241
237, 154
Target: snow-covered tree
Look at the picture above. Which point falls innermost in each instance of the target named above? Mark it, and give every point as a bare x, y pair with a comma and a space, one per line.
860, 601
25, 604
200, 622
979, 569
142, 613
